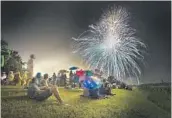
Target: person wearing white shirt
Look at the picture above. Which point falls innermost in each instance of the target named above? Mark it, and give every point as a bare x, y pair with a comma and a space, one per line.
3, 78
30, 67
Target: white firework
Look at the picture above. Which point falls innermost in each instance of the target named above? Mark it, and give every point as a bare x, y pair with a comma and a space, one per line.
111, 45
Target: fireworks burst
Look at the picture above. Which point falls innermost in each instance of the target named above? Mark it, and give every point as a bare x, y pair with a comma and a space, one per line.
111, 45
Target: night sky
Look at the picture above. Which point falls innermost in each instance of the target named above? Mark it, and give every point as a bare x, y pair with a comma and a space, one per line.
46, 29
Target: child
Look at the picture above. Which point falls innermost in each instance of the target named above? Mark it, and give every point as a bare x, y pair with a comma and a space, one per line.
10, 77
17, 78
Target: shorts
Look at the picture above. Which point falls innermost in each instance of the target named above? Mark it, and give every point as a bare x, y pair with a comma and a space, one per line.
43, 95
94, 93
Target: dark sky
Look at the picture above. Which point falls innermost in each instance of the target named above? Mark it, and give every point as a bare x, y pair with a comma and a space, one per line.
46, 29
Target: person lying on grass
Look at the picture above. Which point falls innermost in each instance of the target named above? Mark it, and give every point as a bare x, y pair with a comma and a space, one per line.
43, 92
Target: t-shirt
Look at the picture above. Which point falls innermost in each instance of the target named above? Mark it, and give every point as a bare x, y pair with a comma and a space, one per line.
3, 77
58, 78
33, 90
30, 64
54, 78
30, 68
38, 81
44, 82
11, 77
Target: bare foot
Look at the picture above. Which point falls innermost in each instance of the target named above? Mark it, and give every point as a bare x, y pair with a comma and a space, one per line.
64, 104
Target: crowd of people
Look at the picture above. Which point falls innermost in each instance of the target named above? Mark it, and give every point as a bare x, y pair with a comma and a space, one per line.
45, 82
38, 88
15, 78
103, 92
41, 87
59, 79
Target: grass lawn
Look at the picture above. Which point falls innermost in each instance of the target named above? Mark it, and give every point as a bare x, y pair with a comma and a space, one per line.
125, 104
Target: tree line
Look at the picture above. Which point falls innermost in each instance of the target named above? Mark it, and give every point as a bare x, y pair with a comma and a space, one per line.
10, 59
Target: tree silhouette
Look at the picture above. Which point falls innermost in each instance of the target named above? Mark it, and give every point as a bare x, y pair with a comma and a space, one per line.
12, 59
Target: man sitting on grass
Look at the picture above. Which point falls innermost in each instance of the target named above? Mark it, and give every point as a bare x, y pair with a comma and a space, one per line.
98, 93
43, 92
45, 81
106, 88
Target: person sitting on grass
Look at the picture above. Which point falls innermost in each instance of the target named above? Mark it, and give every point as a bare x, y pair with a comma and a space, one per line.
44, 92
38, 78
17, 79
106, 88
95, 94
45, 81
10, 78
103, 92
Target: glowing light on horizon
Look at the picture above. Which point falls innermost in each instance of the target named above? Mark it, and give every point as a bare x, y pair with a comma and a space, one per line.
52, 65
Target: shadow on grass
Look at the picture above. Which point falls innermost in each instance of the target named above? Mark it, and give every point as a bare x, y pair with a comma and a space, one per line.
12, 93
11, 89
6, 98
71, 90
26, 98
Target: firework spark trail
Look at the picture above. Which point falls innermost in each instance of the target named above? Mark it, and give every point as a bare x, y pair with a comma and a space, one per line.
111, 45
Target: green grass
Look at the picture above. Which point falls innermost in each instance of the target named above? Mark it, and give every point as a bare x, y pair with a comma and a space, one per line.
161, 96
125, 104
